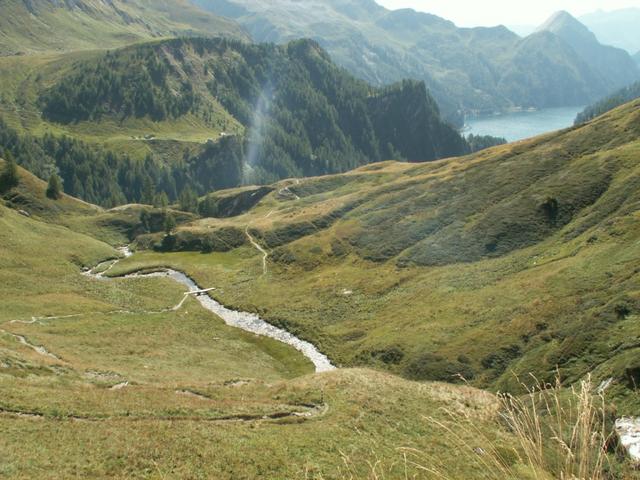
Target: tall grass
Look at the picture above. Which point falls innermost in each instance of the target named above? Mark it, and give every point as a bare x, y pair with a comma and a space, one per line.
562, 435
552, 433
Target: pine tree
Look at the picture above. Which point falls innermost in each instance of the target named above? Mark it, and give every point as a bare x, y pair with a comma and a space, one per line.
148, 191
160, 200
169, 223
54, 188
188, 201
9, 176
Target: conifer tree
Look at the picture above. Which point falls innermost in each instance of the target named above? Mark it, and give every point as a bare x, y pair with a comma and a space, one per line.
148, 191
169, 223
160, 200
9, 176
54, 188
188, 200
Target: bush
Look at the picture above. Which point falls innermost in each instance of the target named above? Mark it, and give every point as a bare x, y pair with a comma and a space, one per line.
499, 360
391, 355
550, 208
428, 366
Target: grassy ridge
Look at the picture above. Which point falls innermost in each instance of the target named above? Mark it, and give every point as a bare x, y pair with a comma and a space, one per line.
42, 26
416, 269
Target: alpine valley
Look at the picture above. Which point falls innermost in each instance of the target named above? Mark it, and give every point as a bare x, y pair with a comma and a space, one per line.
249, 240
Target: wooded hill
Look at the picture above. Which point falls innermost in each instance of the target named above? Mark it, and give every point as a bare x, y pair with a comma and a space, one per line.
281, 111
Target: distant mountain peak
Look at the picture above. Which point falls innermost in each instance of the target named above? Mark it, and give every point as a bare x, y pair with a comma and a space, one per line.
611, 63
564, 21
569, 28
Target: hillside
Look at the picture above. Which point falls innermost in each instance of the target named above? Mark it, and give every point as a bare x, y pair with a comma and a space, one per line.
607, 104
636, 57
520, 258
29, 26
612, 64
80, 357
476, 69
209, 114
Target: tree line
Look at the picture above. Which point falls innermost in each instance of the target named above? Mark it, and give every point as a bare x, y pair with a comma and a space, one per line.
607, 104
106, 178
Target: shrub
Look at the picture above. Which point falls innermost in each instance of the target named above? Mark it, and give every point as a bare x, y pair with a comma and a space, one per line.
550, 207
428, 366
391, 355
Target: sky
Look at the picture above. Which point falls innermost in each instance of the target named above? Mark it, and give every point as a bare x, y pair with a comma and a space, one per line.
473, 13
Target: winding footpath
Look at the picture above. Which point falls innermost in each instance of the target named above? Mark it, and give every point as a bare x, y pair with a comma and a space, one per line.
257, 246
248, 322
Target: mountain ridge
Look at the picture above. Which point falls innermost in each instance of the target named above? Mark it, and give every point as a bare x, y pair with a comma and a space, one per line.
463, 68
31, 26
613, 64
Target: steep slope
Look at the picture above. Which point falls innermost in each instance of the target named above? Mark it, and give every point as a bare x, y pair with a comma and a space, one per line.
463, 68
28, 26
618, 28
229, 112
613, 64
607, 104
521, 258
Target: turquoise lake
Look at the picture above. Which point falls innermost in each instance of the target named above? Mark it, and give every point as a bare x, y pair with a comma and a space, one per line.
520, 125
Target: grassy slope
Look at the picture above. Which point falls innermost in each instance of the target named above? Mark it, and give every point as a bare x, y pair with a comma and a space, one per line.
60, 419
100, 24
22, 79
469, 267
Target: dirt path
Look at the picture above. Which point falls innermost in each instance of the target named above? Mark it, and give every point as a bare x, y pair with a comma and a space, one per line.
305, 412
37, 348
286, 192
257, 246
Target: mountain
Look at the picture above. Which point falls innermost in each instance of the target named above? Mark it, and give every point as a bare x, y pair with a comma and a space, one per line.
519, 259
541, 79
466, 69
29, 26
607, 104
265, 112
617, 27
612, 64
636, 57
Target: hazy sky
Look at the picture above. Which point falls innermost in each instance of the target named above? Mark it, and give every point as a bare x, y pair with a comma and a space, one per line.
471, 13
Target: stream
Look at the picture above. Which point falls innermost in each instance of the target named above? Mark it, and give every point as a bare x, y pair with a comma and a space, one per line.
248, 322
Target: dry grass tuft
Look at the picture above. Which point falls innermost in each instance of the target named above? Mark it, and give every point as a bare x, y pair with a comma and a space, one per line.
554, 433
